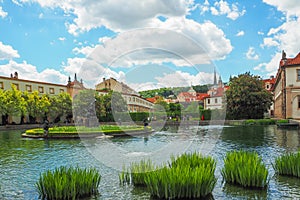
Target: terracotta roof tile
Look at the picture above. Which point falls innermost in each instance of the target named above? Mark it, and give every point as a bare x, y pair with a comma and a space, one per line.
291, 61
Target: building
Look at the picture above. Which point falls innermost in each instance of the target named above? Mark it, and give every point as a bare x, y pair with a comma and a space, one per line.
287, 88
214, 99
72, 87
134, 101
269, 85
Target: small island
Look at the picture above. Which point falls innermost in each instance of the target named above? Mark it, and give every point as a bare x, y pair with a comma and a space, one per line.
102, 131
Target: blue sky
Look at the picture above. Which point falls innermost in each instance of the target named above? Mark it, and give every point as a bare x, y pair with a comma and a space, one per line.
146, 44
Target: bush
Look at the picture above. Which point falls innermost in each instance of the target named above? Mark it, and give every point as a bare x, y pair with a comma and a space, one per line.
189, 176
68, 183
260, 122
282, 121
288, 164
245, 168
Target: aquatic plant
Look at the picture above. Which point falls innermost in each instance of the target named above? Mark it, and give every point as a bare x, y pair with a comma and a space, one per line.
189, 176
245, 168
136, 173
288, 164
68, 183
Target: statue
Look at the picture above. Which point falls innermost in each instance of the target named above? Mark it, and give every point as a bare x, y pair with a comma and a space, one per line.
46, 128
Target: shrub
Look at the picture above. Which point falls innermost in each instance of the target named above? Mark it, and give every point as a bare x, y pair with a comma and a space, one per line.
281, 121
136, 174
189, 176
288, 164
68, 183
260, 122
245, 168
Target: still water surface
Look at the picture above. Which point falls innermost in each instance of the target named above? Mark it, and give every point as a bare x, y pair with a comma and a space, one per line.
22, 160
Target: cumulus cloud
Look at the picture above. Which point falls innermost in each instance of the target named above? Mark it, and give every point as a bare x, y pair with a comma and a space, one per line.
269, 42
29, 72
251, 54
270, 67
240, 33
3, 14
117, 15
7, 52
224, 8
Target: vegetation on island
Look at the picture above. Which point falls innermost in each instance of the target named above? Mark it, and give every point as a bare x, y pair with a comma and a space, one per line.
246, 97
288, 164
66, 183
246, 169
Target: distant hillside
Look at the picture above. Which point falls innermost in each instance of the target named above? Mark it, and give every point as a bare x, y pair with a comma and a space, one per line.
166, 92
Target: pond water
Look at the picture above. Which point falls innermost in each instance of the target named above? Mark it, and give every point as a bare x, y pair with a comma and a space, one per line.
22, 160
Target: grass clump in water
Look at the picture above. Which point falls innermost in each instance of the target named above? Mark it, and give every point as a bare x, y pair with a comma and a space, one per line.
136, 173
288, 164
68, 183
246, 169
190, 176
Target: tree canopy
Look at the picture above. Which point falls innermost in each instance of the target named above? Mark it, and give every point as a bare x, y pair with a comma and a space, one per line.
246, 97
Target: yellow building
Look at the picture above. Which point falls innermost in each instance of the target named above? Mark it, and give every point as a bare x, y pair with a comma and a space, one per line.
72, 87
134, 101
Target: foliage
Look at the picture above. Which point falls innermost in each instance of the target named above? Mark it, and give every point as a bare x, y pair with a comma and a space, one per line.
189, 176
68, 183
14, 102
282, 121
137, 173
288, 164
245, 168
246, 98
61, 105
260, 122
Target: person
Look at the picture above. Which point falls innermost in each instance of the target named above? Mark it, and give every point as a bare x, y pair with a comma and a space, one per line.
145, 122
46, 127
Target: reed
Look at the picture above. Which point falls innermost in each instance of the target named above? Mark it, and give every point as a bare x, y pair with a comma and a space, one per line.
288, 164
137, 172
68, 183
246, 169
189, 176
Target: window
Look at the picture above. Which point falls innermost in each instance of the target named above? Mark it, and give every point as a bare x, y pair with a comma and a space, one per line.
51, 90
1, 85
268, 86
28, 88
41, 89
208, 101
298, 102
216, 100
298, 74
61, 90
16, 85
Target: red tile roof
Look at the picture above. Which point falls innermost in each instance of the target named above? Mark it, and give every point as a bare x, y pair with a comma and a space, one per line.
291, 61
201, 96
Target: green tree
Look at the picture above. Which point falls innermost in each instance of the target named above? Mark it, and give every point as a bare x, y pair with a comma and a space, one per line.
61, 105
246, 98
14, 103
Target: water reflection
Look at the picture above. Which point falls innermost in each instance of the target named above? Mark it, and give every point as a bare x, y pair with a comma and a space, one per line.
22, 160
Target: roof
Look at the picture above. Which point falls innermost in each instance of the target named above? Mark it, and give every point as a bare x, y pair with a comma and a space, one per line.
201, 96
291, 61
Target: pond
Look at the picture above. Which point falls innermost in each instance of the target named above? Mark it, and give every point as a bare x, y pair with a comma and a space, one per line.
22, 160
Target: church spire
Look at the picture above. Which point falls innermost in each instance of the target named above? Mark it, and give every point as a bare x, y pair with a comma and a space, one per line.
215, 77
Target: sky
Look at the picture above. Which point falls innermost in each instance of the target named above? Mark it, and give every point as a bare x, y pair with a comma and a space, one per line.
146, 44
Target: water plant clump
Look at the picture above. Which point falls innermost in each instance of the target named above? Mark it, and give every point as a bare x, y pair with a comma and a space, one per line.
68, 183
189, 176
137, 172
245, 169
288, 164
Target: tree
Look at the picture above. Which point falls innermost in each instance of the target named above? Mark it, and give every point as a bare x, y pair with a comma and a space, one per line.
246, 97
61, 105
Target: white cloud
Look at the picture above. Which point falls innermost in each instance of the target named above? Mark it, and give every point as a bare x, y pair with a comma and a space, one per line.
83, 50
181, 79
204, 7
260, 33
291, 7
117, 15
251, 54
29, 72
240, 33
269, 42
223, 8
61, 38
270, 67
3, 14
7, 52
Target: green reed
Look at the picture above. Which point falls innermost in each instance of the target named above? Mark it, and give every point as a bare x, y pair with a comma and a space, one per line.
245, 168
288, 164
136, 173
68, 183
188, 176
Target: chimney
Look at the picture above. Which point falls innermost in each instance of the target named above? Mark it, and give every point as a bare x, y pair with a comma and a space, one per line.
103, 79
16, 75
271, 77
